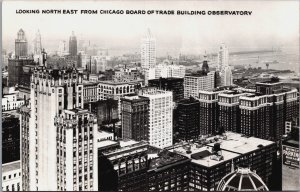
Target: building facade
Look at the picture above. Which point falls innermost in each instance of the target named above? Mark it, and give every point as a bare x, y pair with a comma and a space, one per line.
11, 176
73, 45
76, 156
148, 51
135, 118
21, 45
195, 82
188, 119
160, 116
170, 84
52, 91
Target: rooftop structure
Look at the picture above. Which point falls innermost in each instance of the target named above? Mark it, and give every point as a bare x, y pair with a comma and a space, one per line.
243, 179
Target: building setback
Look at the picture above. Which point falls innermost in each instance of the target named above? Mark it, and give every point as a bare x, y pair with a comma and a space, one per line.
51, 92
170, 84
135, 118
77, 167
188, 119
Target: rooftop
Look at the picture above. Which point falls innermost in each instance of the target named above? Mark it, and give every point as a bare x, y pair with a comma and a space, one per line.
105, 143
11, 166
202, 155
241, 144
165, 158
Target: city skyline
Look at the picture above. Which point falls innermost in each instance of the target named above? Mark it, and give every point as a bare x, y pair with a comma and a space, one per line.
264, 29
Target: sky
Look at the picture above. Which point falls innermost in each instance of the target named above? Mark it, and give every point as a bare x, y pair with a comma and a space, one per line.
272, 23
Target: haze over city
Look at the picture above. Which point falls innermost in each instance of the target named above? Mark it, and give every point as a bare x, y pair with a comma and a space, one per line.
267, 27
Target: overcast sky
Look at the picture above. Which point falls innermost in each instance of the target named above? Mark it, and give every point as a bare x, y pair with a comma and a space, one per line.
272, 23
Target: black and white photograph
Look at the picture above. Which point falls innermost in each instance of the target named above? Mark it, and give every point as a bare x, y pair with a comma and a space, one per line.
150, 95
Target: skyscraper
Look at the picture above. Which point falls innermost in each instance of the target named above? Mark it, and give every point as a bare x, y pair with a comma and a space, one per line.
135, 117
188, 119
160, 116
148, 51
37, 43
73, 45
21, 45
223, 67
51, 92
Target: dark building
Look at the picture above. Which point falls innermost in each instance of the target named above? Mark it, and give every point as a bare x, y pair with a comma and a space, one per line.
140, 167
135, 117
15, 70
107, 114
170, 84
214, 157
10, 138
188, 119
21, 46
264, 113
209, 112
205, 67
73, 45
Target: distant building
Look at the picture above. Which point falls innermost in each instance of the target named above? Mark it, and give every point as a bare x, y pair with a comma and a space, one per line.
188, 119
15, 70
11, 176
166, 70
160, 116
37, 45
21, 45
195, 82
135, 118
10, 138
148, 51
73, 45
223, 66
169, 84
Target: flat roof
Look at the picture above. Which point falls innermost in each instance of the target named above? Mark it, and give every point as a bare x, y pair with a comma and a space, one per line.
205, 160
105, 143
11, 166
241, 144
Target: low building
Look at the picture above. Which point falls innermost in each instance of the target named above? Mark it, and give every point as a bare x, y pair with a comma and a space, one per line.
11, 176
212, 158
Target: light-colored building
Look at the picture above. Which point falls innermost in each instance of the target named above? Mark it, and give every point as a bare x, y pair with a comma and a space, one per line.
77, 154
148, 51
196, 82
11, 176
11, 101
52, 91
160, 116
149, 74
223, 66
62, 48
166, 70
98, 63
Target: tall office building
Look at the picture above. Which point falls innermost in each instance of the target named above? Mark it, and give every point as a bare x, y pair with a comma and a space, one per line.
37, 50
209, 112
62, 48
223, 57
188, 119
21, 45
51, 92
148, 51
160, 116
198, 81
223, 67
73, 45
15, 70
77, 154
170, 84
135, 117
